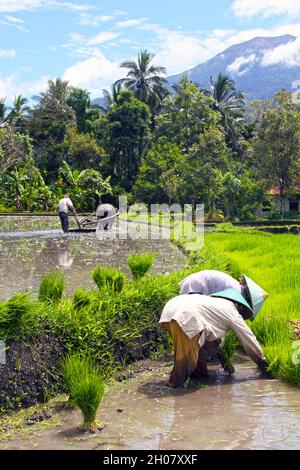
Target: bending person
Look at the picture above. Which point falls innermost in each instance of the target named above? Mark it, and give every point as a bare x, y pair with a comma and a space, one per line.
192, 320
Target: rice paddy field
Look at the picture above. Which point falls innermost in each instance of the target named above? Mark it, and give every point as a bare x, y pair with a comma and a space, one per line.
273, 261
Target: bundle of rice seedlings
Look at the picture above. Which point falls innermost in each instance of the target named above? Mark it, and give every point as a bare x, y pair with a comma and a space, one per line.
52, 287
15, 312
86, 388
109, 277
81, 298
229, 346
140, 264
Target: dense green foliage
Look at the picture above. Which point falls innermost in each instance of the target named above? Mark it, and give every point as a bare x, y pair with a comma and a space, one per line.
109, 277
155, 145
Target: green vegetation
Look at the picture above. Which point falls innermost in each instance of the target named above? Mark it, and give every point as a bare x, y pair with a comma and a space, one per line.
86, 388
140, 264
186, 145
274, 262
52, 287
109, 277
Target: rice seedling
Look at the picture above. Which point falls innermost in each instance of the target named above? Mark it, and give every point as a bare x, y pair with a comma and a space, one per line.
52, 287
81, 298
229, 346
109, 277
140, 264
86, 388
15, 315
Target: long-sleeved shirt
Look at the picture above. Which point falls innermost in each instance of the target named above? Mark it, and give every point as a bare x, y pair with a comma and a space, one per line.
212, 318
208, 282
65, 204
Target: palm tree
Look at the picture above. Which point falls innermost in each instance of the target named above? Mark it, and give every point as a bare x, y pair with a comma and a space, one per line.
3, 113
230, 103
18, 114
111, 97
145, 80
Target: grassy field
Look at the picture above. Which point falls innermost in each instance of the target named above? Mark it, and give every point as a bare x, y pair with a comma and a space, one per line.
273, 261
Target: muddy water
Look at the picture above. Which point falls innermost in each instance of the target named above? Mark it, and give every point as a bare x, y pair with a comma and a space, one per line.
26, 257
244, 412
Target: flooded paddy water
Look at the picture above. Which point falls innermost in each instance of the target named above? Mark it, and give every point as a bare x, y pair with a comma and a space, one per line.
27, 255
239, 412
221, 412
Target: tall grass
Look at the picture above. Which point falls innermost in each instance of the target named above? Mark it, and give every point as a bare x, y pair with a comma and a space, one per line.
109, 277
52, 287
140, 264
86, 388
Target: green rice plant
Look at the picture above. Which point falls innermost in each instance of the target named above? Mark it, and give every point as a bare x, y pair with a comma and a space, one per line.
81, 298
52, 287
16, 314
140, 264
109, 277
86, 388
229, 346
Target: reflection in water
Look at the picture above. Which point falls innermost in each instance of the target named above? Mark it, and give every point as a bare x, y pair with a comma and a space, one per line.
24, 260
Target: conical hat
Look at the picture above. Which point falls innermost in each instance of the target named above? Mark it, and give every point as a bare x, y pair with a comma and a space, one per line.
235, 295
257, 294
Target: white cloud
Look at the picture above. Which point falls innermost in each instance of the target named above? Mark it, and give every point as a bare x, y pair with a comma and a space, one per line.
87, 19
94, 74
131, 23
286, 54
13, 19
101, 38
265, 8
11, 6
7, 53
11, 86
239, 66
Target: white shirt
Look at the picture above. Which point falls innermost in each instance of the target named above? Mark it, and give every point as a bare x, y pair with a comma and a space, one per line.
213, 318
208, 282
65, 204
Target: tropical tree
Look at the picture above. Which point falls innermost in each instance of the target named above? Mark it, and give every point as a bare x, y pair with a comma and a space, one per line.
79, 100
3, 112
230, 103
145, 80
15, 149
277, 149
19, 113
111, 97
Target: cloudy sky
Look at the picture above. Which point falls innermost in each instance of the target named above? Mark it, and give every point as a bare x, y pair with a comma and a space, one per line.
85, 41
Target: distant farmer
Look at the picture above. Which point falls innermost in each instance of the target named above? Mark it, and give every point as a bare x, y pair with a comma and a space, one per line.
64, 206
193, 320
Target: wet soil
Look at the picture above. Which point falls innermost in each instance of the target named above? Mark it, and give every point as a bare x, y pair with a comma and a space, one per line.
220, 412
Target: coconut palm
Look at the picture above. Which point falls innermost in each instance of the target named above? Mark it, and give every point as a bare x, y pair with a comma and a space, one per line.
145, 80
231, 105
19, 112
111, 97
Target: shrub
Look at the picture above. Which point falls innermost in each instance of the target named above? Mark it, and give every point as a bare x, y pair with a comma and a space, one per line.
140, 264
86, 388
109, 277
52, 287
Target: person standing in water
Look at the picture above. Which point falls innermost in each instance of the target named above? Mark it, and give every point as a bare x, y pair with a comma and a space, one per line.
64, 206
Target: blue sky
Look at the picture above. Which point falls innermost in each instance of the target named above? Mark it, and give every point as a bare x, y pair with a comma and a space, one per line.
85, 41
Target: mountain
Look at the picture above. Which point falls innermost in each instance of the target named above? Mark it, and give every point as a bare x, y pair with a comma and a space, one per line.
244, 64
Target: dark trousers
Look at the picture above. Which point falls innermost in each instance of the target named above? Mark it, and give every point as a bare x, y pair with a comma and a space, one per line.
64, 219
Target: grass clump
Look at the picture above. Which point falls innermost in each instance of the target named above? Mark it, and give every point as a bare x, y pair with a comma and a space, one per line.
109, 277
52, 287
81, 299
16, 315
140, 264
86, 388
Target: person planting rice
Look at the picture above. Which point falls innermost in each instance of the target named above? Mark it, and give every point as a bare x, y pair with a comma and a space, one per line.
209, 282
193, 320
64, 206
